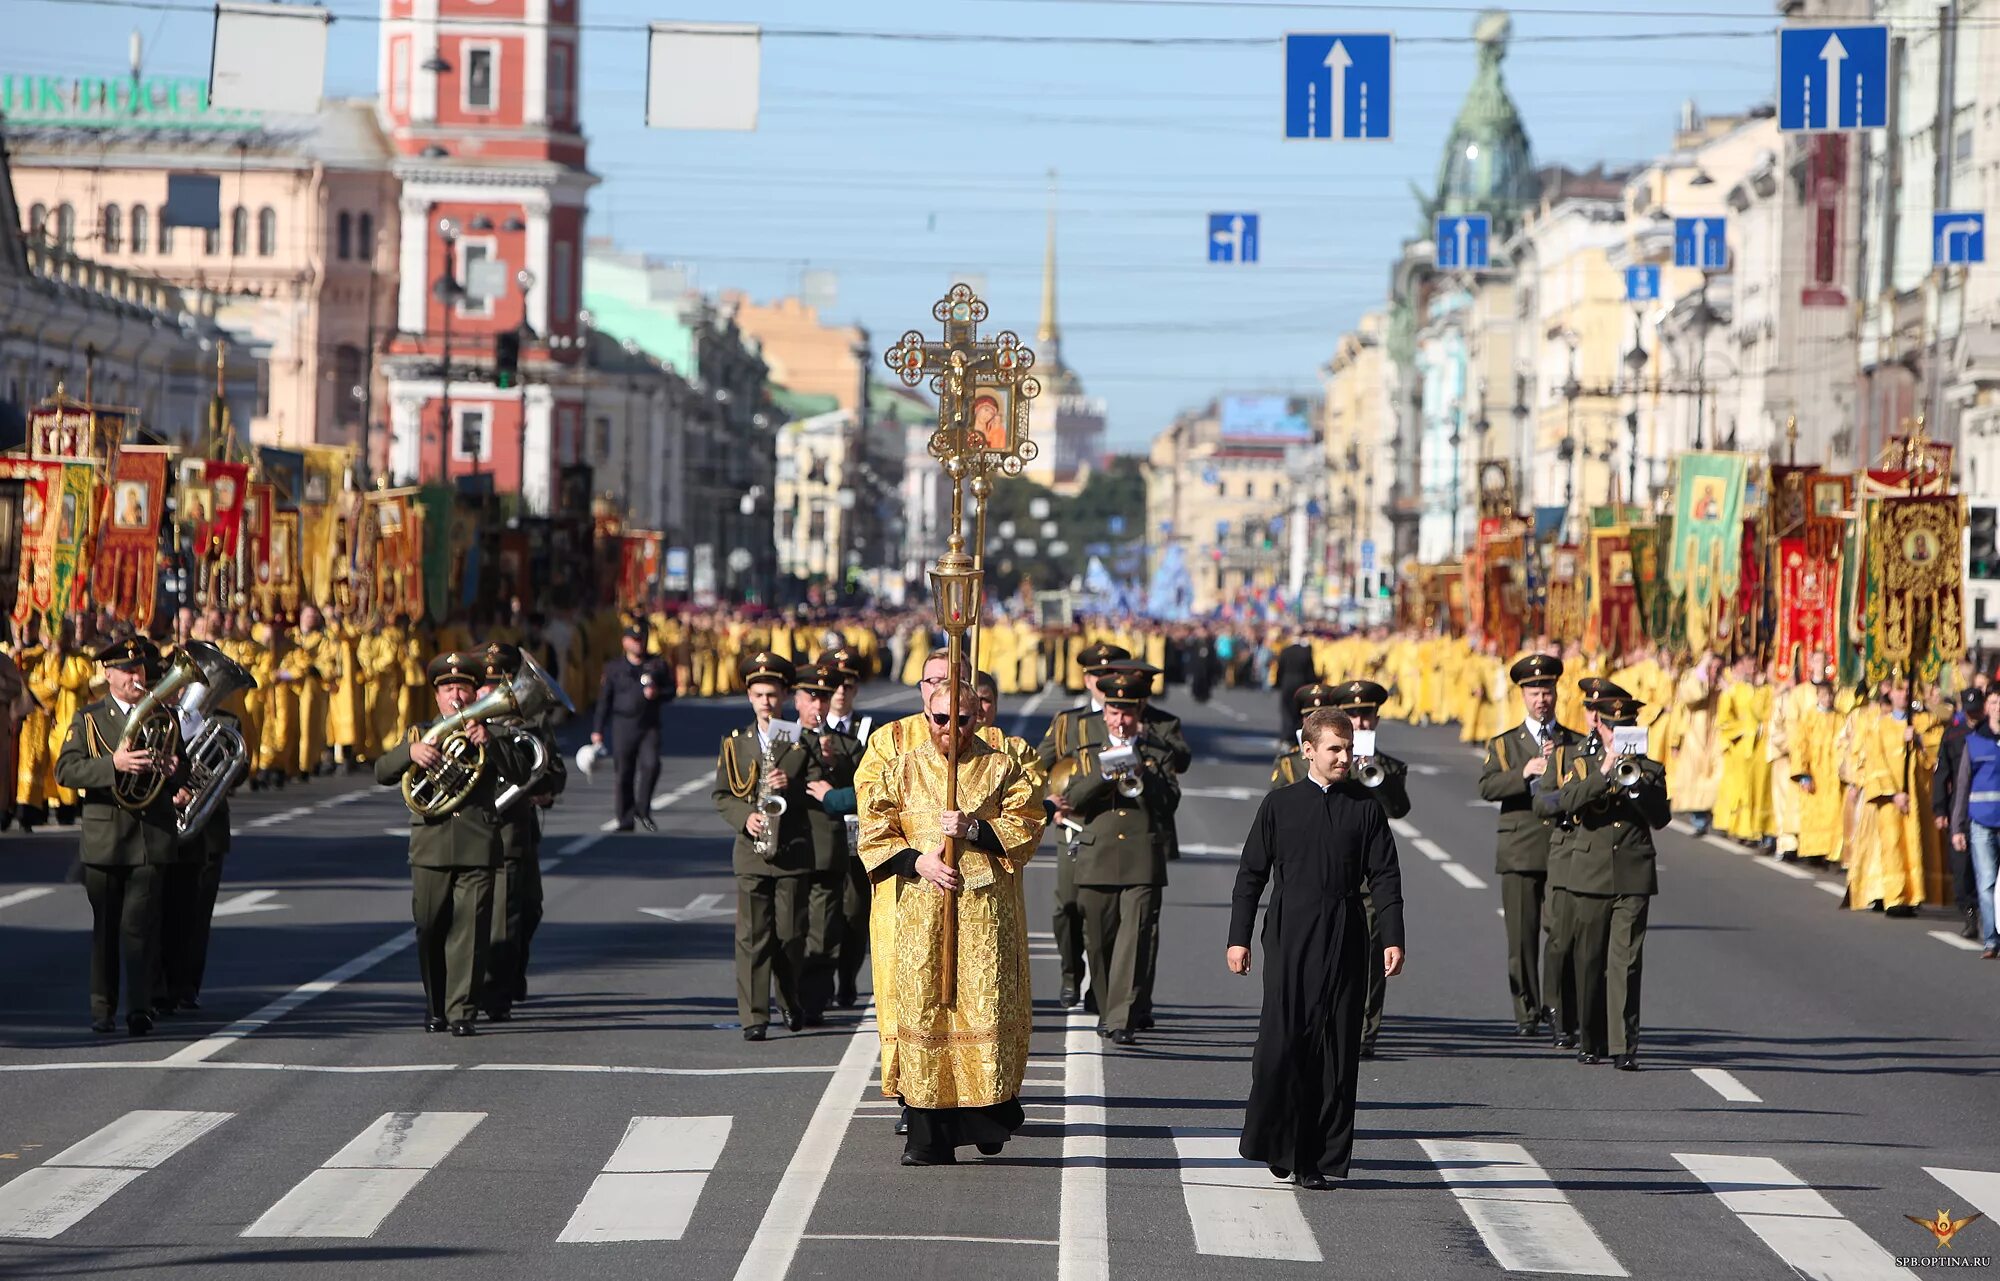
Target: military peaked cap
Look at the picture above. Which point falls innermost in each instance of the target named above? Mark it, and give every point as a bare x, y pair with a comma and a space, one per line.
764, 667
455, 669
1536, 669
1098, 657
1360, 696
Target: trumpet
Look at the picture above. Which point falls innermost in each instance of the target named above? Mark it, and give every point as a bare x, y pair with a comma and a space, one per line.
1625, 773
1369, 772
1122, 766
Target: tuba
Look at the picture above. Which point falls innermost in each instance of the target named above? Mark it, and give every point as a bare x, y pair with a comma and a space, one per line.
441, 790
155, 726
217, 756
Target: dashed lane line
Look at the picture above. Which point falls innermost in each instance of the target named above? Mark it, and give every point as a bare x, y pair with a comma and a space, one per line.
1726, 1085
25, 896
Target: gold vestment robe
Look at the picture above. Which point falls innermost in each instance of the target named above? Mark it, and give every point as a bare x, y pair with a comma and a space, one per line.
973, 1053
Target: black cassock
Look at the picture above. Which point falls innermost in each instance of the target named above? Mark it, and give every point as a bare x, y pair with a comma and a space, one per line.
1316, 848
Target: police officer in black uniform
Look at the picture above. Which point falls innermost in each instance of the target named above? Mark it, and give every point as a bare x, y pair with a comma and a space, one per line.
636, 686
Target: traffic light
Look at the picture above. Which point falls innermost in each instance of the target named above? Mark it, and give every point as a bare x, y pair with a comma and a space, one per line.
1984, 561
506, 358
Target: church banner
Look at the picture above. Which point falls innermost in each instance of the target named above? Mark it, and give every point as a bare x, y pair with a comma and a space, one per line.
255, 545
1852, 659
40, 481
1613, 623
639, 568
398, 556
1649, 582
1566, 594
75, 503
127, 565
283, 558
435, 502
1707, 545
320, 499
1808, 600
1915, 592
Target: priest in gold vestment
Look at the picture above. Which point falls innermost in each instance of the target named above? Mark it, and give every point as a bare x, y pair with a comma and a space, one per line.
957, 1068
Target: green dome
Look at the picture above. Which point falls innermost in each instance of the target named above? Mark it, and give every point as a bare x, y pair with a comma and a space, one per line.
1488, 165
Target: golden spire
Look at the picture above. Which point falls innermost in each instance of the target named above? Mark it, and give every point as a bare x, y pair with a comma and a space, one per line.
1047, 337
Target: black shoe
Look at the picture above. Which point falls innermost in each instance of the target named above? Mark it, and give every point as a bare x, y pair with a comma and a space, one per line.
1588, 1059
846, 998
754, 1033
464, 1027
1142, 1023
912, 1158
1902, 911
1123, 1036
1280, 1172
990, 1149
1067, 997
187, 1005
1971, 927
1314, 1182
499, 1014
903, 1121
1368, 1049
1547, 1014
1090, 1003
795, 1020
106, 1024
1527, 1029
1625, 1062
138, 1023
435, 1025
163, 1009
1565, 1041
646, 821
622, 827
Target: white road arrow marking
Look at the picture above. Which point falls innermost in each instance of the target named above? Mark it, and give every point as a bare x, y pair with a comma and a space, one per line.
1338, 61
1832, 53
703, 908
249, 901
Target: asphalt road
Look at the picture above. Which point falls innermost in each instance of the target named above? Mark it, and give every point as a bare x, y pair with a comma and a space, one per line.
1811, 1076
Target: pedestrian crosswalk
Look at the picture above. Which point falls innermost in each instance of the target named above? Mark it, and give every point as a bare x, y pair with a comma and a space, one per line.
650, 1184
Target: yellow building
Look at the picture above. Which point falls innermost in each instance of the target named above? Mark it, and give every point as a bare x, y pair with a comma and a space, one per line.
1218, 487
1356, 428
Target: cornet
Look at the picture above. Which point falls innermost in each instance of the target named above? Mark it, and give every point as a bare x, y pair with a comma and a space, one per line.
1369, 772
1121, 765
1625, 773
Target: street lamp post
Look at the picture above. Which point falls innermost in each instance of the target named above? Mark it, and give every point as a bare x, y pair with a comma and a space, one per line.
447, 291
1571, 390
1702, 318
1457, 436
1635, 364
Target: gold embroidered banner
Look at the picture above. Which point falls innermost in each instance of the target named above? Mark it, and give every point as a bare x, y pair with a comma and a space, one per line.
1914, 611
128, 549
321, 504
75, 508
1613, 624
399, 552
1566, 595
282, 558
35, 590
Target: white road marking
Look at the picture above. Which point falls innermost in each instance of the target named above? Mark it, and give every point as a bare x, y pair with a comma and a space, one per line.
1785, 869
1726, 845
1682, 826
55, 1196
25, 896
1463, 875
703, 907
1527, 1222
1207, 850
1726, 1085
1237, 1208
1083, 1251
579, 845
1797, 1223
924, 1236
1029, 708
207, 1047
1431, 850
681, 793
1428, 771
783, 1227
1227, 793
363, 1183
1980, 1188
620, 1069
1404, 828
250, 902
1963, 944
651, 1183
1836, 888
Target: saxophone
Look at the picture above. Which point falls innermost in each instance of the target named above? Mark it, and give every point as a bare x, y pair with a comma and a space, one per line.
772, 805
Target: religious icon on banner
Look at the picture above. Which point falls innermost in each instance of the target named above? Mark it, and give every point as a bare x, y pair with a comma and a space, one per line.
225, 491
1621, 569
281, 552
1706, 505
128, 505
66, 522
989, 425
389, 516
1829, 497
32, 510
197, 505
1919, 547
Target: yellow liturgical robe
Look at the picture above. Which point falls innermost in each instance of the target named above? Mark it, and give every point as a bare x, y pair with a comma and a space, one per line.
974, 1052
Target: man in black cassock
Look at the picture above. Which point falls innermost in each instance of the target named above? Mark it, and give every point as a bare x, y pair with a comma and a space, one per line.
1320, 838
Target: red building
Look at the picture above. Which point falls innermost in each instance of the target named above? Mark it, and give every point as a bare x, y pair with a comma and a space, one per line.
479, 99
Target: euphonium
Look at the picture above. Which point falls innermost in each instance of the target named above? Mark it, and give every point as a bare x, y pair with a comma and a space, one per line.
217, 755
442, 789
538, 754
1121, 765
155, 726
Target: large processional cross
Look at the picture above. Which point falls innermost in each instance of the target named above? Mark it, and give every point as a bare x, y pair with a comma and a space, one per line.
983, 387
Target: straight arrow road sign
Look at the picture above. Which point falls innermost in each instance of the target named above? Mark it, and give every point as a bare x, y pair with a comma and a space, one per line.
1464, 242
1702, 243
1337, 86
1833, 78
702, 908
1642, 283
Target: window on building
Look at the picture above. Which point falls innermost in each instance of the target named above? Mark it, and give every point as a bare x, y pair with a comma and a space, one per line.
603, 449
114, 229
347, 379
479, 77
239, 232
65, 226
470, 439
559, 84
343, 236
1961, 148
399, 77
816, 524
166, 232
364, 238
470, 252
142, 230
788, 523
211, 241
561, 297
38, 222
267, 232
263, 389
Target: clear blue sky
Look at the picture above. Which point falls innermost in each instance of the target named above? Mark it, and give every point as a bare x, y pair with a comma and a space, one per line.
903, 165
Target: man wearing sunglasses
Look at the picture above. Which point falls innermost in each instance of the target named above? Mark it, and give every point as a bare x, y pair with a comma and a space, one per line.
958, 1066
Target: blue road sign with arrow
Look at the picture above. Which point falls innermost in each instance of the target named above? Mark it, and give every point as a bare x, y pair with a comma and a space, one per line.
1464, 242
1337, 86
1701, 242
1958, 238
1642, 283
1232, 237
1833, 78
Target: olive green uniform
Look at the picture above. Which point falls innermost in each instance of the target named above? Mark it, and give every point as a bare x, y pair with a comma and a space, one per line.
124, 856
189, 891
1120, 873
1611, 878
453, 859
1558, 962
517, 894
1522, 861
772, 913
1069, 732
832, 757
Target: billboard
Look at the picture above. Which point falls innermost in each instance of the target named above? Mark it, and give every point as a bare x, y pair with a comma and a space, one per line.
1264, 418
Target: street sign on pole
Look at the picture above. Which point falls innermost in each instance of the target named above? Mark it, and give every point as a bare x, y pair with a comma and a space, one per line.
1463, 242
1701, 242
1337, 86
1958, 238
1232, 237
1367, 555
1642, 283
1833, 78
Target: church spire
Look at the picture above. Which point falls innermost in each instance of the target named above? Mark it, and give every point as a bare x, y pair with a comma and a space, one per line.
1048, 337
